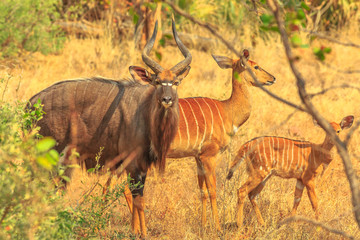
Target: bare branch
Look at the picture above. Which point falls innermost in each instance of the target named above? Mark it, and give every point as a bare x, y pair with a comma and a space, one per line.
332, 88
331, 39
341, 146
351, 132
315, 223
347, 71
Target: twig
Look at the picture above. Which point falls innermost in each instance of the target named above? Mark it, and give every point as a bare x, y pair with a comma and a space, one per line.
319, 35
347, 71
332, 88
351, 132
315, 223
6, 211
231, 48
341, 146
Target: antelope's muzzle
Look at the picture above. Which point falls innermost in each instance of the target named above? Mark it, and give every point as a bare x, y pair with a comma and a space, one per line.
167, 102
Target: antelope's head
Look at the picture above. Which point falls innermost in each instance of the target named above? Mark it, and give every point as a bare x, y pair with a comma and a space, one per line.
238, 67
345, 123
165, 81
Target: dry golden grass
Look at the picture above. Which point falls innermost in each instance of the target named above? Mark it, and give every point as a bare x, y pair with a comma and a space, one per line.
173, 200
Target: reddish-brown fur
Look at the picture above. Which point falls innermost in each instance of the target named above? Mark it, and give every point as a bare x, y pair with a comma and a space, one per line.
206, 126
286, 158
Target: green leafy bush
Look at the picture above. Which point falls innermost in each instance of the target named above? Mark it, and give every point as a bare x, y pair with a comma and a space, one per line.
30, 205
29, 25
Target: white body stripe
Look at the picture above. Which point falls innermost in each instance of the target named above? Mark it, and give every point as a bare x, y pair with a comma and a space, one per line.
212, 119
292, 156
222, 121
187, 127
196, 122
266, 159
203, 139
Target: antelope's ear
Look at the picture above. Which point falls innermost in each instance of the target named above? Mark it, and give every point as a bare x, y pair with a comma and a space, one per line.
246, 54
183, 73
223, 62
347, 122
140, 74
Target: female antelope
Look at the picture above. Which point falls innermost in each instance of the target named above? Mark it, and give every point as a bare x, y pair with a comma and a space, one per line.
286, 158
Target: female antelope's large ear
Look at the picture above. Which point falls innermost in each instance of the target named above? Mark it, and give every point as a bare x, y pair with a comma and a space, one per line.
347, 122
223, 62
182, 74
140, 74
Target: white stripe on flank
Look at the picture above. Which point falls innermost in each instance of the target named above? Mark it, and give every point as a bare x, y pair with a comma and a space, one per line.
278, 152
264, 150
197, 125
203, 139
272, 147
222, 121
292, 155
187, 127
259, 154
212, 119
302, 157
287, 153
283, 153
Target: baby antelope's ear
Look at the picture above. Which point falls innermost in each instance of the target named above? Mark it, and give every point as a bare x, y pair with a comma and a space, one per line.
347, 122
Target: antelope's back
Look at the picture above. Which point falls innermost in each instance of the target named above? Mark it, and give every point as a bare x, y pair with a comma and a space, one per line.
94, 113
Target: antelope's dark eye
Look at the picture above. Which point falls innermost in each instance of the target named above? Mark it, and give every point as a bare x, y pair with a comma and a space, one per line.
177, 83
338, 131
256, 67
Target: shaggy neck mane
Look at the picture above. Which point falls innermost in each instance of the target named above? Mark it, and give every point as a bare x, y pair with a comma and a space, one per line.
163, 128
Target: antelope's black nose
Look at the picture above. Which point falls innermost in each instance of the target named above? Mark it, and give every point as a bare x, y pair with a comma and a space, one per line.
166, 99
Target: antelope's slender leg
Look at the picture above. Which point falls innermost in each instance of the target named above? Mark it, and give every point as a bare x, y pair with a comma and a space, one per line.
203, 190
299, 189
252, 196
310, 186
138, 216
128, 197
246, 188
210, 180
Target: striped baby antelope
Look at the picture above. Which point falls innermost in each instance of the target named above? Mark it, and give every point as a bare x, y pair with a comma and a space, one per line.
286, 158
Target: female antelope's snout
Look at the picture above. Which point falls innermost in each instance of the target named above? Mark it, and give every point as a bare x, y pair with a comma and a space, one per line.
271, 82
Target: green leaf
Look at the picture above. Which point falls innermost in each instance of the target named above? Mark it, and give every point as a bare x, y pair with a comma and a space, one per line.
300, 14
158, 55
327, 50
44, 162
90, 170
168, 36
237, 76
66, 178
162, 42
305, 45
304, 6
45, 144
266, 19
135, 19
296, 40
319, 53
